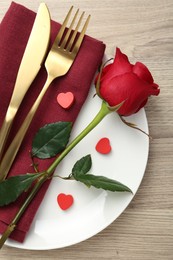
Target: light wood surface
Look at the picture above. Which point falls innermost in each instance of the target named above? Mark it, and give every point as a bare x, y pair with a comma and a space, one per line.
143, 29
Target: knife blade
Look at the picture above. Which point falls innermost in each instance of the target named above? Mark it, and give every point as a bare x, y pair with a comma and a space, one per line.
35, 50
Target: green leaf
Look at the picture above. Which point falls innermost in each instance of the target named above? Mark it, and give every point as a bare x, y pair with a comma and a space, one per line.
80, 169
51, 139
82, 166
11, 188
101, 182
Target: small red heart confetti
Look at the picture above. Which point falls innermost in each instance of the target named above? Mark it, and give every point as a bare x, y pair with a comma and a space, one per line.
103, 146
65, 201
65, 100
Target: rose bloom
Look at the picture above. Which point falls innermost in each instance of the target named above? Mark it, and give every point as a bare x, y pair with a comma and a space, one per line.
123, 81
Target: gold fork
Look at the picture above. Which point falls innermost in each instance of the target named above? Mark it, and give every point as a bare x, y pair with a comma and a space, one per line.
58, 63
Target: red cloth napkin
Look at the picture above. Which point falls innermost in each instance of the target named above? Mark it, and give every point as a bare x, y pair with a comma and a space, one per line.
14, 32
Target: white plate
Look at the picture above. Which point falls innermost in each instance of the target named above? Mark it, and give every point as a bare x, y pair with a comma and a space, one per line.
93, 209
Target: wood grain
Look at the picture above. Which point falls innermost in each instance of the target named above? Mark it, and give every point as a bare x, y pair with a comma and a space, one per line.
144, 31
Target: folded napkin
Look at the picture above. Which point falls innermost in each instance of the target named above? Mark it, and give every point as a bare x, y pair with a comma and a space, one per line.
14, 32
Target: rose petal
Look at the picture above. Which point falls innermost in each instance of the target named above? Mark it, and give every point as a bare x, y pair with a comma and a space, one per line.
142, 72
154, 89
104, 72
121, 63
142, 105
120, 66
129, 88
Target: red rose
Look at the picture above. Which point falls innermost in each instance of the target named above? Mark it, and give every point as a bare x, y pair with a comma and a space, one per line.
123, 81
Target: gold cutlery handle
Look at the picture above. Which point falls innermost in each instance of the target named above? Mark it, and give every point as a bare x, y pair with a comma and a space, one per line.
10, 154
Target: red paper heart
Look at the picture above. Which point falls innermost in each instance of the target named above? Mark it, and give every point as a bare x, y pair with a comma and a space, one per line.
64, 201
103, 146
65, 100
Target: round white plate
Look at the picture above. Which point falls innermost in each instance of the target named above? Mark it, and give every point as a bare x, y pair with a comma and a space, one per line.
93, 209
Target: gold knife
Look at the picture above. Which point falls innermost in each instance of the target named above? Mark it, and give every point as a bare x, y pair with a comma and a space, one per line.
35, 50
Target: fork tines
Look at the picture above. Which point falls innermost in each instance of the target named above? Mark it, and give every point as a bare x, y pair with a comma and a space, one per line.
62, 39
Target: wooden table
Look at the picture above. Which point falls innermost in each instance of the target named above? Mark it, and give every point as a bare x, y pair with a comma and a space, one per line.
144, 31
